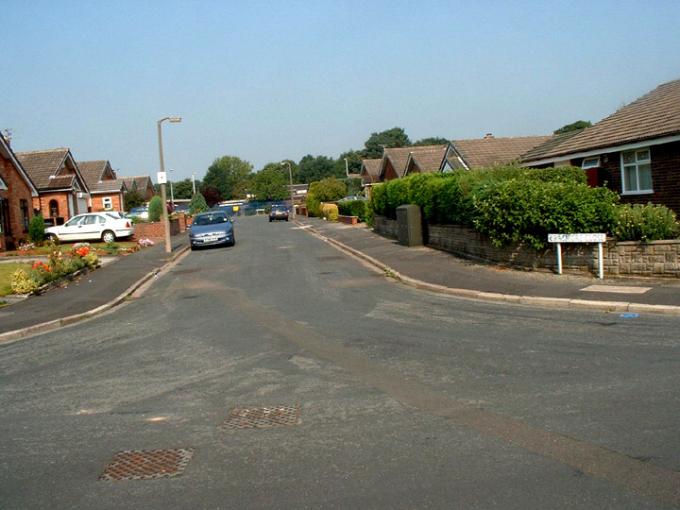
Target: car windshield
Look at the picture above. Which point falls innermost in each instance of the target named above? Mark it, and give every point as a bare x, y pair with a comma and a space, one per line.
278, 208
210, 219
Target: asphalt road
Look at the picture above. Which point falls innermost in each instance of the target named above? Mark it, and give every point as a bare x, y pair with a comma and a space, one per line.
407, 399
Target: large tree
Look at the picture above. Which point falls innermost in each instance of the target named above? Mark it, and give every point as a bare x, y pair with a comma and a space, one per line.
395, 137
270, 182
432, 140
229, 175
574, 126
353, 162
316, 168
184, 188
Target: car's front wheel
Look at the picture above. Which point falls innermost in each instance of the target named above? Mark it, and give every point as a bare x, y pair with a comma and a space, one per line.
108, 236
52, 238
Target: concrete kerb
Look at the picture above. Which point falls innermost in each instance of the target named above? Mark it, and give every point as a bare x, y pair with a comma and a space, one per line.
605, 306
44, 327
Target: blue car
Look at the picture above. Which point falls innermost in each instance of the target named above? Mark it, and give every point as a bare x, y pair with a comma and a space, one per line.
210, 229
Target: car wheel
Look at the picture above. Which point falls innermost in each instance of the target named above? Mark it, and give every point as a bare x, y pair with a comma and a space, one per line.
52, 238
108, 236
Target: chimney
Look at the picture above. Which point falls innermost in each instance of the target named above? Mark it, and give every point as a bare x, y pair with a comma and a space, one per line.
488, 135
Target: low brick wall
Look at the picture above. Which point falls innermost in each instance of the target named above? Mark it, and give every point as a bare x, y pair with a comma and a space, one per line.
657, 258
155, 230
350, 220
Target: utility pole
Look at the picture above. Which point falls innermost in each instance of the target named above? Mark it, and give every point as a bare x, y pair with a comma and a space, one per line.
193, 182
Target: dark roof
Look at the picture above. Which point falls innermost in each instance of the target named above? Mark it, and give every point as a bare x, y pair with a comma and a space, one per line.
399, 155
654, 115
371, 169
140, 182
93, 171
548, 146
429, 160
61, 182
41, 165
491, 151
7, 152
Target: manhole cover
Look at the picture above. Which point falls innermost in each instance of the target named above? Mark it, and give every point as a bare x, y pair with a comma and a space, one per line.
147, 464
262, 417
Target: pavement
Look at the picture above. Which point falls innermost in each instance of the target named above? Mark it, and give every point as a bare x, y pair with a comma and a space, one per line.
93, 291
438, 271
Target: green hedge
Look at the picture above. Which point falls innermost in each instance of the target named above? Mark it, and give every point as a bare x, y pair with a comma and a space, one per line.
325, 190
354, 208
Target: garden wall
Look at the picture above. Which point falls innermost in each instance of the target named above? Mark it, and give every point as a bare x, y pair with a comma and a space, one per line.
155, 230
630, 258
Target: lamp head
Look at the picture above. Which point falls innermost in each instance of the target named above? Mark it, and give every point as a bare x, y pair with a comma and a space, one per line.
175, 119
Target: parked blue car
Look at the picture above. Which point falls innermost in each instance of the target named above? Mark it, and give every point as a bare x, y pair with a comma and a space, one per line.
210, 229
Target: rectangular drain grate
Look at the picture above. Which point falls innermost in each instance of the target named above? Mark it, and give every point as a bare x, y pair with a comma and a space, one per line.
147, 464
262, 417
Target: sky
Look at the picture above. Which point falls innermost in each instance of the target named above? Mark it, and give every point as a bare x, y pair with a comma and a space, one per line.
267, 81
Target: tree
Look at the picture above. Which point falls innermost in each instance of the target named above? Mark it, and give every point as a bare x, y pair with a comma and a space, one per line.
212, 195
326, 190
36, 228
574, 126
229, 176
395, 137
353, 162
432, 140
197, 204
155, 208
270, 182
133, 199
184, 188
316, 168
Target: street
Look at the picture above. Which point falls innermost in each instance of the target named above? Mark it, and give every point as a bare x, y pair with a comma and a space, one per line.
407, 399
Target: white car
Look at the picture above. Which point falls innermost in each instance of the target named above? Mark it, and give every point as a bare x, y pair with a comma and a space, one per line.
92, 226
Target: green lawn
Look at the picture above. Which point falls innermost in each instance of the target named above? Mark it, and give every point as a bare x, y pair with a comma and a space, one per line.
6, 271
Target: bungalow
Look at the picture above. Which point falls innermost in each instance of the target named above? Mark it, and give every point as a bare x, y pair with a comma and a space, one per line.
62, 191
426, 161
635, 151
106, 190
141, 184
393, 163
17, 192
487, 151
370, 171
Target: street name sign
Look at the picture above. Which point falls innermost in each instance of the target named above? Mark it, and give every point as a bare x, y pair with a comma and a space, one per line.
579, 238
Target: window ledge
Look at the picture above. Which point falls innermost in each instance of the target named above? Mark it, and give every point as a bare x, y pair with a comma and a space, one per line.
644, 192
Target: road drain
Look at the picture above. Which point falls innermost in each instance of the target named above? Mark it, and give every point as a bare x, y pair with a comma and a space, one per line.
262, 417
147, 464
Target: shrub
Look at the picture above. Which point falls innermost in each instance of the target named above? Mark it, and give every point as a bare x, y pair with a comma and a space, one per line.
36, 228
526, 210
325, 190
353, 208
197, 204
155, 208
24, 282
330, 212
645, 223
397, 194
378, 202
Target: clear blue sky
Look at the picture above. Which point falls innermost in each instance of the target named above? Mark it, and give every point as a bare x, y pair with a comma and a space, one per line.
272, 80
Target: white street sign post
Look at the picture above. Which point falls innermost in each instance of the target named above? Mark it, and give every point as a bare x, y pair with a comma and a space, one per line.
162, 178
579, 238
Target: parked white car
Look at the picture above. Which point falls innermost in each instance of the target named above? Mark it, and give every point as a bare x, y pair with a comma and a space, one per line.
92, 226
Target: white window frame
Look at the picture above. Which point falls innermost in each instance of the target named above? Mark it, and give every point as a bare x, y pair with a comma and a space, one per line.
637, 162
591, 162
107, 203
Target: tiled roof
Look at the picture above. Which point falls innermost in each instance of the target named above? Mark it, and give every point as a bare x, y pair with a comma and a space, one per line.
654, 115
92, 172
140, 181
548, 146
371, 169
62, 182
399, 155
429, 160
7, 152
40, 165
491, 151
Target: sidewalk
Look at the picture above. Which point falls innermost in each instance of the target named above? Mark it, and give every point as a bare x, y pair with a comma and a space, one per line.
437, 268
91, 290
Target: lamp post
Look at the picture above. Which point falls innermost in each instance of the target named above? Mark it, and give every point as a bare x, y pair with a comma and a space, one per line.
166, 222
172, 194
292, 191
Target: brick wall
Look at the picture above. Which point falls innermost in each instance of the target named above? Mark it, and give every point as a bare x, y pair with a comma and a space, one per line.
17, 190
658, 258
155, 230
63, 198
98, 202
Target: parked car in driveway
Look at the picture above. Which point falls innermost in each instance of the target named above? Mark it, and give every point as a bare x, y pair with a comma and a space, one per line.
278, 212
92, 227
211, 228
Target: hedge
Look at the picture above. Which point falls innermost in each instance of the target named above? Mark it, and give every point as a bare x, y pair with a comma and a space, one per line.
645, 223
354, 208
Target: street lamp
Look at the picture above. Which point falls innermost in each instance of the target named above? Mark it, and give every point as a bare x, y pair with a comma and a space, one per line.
172, 194
292, 191
166, 222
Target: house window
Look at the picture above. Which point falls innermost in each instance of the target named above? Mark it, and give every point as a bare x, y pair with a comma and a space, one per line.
636, 171
108, 203
589, 163
54, 208
23, 205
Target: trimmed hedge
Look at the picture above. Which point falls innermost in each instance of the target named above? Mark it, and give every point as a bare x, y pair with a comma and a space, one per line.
354, 208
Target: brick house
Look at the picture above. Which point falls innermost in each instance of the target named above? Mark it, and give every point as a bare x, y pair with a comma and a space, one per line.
17, 192
62, 191
487, 152
635, 151
393, 163
141, 184
106, 190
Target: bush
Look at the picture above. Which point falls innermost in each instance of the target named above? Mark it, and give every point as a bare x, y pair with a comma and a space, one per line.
24, 282
527, 210
325, 190
330, 212
353, 208
645, 223
197, 204
36, 228
155, 208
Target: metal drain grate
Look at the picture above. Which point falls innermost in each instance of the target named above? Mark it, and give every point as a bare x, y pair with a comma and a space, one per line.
262, 417
147, 464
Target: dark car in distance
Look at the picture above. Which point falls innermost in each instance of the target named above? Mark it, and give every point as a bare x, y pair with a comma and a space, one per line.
278, 212
211, 228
